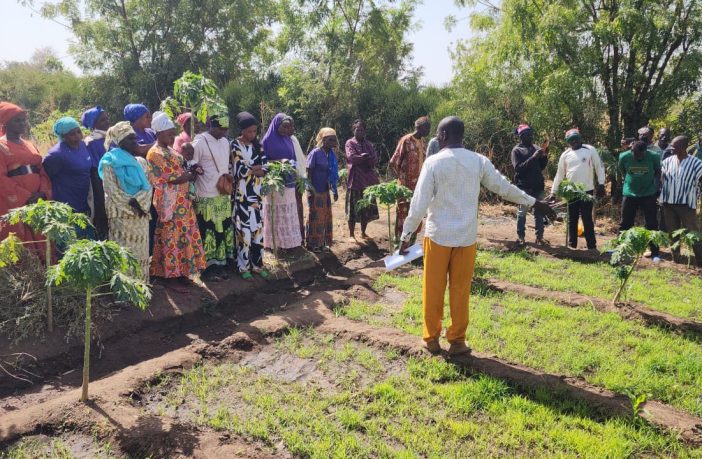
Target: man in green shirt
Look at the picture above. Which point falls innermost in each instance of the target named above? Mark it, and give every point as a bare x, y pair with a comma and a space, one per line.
641, 169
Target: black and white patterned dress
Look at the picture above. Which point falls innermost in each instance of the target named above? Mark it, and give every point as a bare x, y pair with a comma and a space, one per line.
248, 202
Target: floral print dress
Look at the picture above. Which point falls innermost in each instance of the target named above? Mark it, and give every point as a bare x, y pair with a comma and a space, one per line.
178, 250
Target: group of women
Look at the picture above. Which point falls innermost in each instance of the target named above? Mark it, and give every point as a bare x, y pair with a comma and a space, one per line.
192, 201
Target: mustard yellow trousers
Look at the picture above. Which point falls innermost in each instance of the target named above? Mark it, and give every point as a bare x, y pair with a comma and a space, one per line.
456, 265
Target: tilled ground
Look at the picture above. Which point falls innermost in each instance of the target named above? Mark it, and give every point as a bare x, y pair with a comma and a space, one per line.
199, 385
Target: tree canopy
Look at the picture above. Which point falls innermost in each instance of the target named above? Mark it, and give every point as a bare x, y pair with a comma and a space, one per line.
608, 66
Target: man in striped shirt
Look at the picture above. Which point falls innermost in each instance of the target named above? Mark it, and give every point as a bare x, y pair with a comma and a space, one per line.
681, 174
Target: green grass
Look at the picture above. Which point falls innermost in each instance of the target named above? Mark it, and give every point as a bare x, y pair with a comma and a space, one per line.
402, 408
606, 350
57, 448
661, 289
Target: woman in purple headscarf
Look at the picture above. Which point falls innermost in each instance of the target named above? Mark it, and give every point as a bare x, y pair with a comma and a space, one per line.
280, 211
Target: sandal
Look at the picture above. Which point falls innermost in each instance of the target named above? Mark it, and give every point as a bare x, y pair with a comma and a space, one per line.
247, 275
263, 273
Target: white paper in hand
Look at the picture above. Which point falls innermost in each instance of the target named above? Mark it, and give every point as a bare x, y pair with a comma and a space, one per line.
396, 260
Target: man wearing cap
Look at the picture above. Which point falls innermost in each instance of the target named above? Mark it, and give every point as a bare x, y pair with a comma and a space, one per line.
580, 163
529, 163
407, 162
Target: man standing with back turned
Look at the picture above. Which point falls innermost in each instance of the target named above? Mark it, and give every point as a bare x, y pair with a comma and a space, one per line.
448, 191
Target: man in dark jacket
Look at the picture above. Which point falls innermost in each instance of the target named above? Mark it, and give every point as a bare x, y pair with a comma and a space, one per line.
529, 163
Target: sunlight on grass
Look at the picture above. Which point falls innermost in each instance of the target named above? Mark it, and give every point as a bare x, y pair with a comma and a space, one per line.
606, 350
424, 408
662, 289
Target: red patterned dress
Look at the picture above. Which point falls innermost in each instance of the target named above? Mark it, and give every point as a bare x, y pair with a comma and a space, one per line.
178, 250
407, 162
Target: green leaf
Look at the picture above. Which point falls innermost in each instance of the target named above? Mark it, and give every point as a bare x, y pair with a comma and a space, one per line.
55, 220
569, 191
90, 264
385, 194
10, 250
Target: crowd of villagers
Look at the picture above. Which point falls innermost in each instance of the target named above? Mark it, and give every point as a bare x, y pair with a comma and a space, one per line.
188, 206
660, 180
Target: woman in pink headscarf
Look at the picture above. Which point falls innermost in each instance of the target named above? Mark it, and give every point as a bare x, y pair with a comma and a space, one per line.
184, 120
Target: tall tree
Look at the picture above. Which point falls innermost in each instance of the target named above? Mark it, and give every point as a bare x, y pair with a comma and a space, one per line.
341, 51
145, 45
635, 56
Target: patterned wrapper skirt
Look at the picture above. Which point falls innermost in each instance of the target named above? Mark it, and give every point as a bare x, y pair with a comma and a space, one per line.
214, 218
133, 233
319, 223
353, 214
281, 225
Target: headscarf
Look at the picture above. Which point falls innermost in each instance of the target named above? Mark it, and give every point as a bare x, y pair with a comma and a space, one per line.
130, 175
91, 116
161, 122
522, 128
65, 125
278, 146
183, 118
324, 132
246, 120
572, 134
117, 133
133, 112
421, 121
7, 112
333, 162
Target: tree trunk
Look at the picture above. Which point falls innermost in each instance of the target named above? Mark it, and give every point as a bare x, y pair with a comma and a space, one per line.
86, 348
49, 299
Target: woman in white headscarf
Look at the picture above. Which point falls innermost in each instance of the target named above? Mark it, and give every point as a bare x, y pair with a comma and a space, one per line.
178, 253
127, 193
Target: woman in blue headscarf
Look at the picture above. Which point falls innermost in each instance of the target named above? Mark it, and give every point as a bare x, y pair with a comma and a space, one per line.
68, 166
140, 118
127, 193
282, 228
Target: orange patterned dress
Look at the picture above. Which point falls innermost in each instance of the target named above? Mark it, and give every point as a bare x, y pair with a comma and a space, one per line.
178, 250
15, 191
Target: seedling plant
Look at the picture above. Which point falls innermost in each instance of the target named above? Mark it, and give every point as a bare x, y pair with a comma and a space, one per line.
387, 195
628, 249
57, 222
687, 239
197, 94
91, 266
